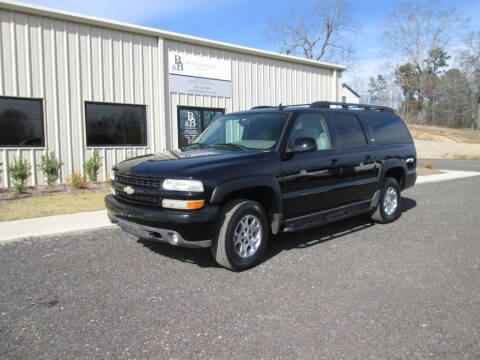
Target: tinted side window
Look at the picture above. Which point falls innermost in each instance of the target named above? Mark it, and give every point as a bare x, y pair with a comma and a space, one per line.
21, 122
312, 125
350, 133
388, 129
115, 124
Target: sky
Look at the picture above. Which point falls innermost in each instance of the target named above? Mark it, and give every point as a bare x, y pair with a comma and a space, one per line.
244, 22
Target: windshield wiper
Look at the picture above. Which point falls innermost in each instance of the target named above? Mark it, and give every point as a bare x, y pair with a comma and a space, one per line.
196, 145
230, 145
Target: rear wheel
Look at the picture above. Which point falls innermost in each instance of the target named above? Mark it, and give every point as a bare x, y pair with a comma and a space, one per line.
388, 208
242, 236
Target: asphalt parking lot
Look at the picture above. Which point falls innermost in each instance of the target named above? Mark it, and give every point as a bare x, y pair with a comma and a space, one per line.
350, 290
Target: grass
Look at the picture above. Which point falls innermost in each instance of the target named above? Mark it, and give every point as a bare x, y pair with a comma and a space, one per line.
47, 205
437, 133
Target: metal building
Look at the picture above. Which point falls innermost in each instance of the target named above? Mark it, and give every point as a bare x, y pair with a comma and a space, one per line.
72, 84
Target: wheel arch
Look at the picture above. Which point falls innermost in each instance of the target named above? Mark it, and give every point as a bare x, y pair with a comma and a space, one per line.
396, 169
264, 190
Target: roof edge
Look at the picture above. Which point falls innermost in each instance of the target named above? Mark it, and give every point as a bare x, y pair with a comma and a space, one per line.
144, 30
353, 91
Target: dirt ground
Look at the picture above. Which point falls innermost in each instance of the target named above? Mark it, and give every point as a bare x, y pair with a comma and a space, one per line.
425, 172
437, 133
10, 194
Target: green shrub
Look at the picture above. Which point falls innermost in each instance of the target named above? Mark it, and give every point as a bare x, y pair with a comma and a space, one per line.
77, 181
428, 165
50, 167
93, 165
19, 172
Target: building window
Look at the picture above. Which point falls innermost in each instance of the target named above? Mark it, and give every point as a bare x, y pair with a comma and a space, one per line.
115, 124
21, 122
193, 120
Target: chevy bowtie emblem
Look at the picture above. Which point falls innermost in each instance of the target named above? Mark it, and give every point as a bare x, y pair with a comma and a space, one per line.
129, 190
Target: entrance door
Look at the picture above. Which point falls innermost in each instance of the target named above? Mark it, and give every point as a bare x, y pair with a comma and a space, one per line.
193, 120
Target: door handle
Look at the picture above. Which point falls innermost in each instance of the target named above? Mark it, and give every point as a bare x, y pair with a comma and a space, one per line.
369, 159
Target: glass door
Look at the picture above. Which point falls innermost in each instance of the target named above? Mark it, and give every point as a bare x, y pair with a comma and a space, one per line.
193, 120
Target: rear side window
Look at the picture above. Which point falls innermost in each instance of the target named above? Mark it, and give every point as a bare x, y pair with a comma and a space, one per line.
350, 133
388, 129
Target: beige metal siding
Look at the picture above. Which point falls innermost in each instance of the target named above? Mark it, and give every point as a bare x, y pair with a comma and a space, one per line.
66, 64
256, 81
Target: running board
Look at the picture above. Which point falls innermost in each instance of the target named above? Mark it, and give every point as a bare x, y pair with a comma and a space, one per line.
327, 216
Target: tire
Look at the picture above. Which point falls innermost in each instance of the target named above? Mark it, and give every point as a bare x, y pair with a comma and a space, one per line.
384, 214
242, 235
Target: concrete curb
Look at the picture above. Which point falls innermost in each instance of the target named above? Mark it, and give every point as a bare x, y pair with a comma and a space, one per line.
18, 230
447, 175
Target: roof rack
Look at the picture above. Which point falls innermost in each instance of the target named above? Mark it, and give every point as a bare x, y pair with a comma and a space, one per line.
328, 104
351, 106
262, 107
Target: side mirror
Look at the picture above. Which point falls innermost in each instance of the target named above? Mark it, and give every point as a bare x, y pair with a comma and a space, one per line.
303, 144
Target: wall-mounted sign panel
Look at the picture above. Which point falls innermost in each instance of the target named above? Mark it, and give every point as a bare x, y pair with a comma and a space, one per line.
200, 86
200, 66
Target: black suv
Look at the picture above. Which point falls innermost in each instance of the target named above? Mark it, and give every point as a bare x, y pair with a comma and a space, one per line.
267, 170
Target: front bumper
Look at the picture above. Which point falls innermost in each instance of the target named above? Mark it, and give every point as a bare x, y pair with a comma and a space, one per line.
155, 234
191, 225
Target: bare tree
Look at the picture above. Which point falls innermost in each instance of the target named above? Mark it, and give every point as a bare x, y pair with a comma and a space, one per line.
318, 33
470, 60
416, 32
378, 90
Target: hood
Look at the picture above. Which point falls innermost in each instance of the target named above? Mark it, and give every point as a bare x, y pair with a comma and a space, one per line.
184, 163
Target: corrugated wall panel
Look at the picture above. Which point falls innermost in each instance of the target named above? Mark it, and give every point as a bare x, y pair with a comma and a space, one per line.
66, 64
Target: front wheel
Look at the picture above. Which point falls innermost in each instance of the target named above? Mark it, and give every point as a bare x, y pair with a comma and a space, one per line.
388, 208
242, 236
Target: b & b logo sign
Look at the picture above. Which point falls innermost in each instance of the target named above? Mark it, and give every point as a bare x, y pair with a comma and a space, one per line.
191, 121
178, 65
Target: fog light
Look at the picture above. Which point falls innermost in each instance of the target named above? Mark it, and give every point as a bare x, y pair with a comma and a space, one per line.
174, 239
113, 191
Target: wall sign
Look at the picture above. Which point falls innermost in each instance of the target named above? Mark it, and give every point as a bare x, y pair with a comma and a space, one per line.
180, 63
199, 75
200, 86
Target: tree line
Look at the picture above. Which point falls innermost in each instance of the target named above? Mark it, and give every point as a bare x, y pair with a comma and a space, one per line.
427, 80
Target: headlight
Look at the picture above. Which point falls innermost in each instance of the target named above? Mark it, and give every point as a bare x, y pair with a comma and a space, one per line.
112, 175
183, 185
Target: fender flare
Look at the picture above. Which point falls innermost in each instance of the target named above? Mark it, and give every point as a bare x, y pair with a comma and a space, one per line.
389, 164
227, 187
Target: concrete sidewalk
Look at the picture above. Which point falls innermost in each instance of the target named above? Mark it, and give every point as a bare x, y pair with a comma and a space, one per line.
93, 220
53, 225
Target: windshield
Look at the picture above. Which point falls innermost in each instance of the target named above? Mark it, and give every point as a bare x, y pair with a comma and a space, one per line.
249, 130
